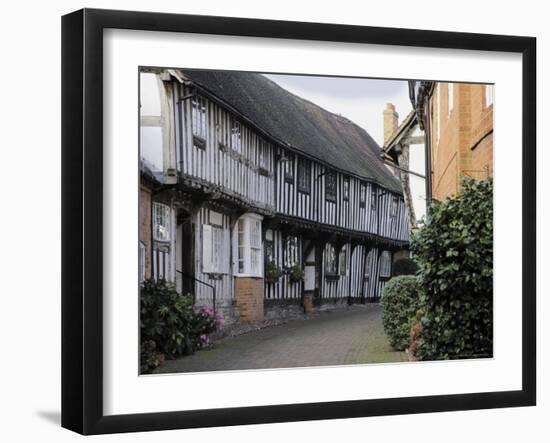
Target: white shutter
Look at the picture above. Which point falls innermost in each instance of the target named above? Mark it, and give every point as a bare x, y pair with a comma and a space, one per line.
207, 248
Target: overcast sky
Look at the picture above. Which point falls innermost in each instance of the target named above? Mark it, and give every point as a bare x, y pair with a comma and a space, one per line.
359, 99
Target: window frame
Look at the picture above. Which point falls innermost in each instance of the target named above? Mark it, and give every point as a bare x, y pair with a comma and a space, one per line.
362, 195
346, 184
199, 121
244, 246
333, 195
382, 266
291, 259
332, 272
394, 206
343, 265
304, 175
156, 206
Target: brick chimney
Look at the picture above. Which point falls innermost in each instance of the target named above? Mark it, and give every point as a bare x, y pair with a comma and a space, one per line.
390, 121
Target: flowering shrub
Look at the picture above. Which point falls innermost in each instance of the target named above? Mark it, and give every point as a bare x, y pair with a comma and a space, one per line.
169, 324
205, 322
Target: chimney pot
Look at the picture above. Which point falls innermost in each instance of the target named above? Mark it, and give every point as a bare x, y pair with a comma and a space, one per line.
390, 121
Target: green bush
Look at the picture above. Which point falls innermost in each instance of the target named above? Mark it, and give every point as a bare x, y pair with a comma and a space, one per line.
169, 324
454, 250
166, 317
400, 302
405, 266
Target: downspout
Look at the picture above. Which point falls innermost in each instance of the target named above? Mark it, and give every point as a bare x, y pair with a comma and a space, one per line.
428, 153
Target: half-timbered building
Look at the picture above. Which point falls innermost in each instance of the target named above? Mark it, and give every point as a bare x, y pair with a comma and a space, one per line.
263, 202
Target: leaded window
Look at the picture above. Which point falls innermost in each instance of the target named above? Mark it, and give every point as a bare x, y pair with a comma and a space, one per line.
199, 121
161, 222
330, 186
304, 175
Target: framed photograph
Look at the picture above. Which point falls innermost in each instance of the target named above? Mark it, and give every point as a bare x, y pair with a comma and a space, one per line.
270, 221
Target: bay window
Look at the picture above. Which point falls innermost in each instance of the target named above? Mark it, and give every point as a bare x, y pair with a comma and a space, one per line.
248, 246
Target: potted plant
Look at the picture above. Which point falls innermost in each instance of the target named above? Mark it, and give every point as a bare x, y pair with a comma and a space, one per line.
272, 272
296, 274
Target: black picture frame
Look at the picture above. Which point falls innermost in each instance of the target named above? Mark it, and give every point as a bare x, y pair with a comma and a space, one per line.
82, 232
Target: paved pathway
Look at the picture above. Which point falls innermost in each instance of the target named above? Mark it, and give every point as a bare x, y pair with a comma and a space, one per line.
352, 336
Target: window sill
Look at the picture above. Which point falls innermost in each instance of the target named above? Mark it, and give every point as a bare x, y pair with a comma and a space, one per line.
248, 276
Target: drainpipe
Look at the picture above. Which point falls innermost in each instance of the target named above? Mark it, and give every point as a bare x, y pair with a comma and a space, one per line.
428, 152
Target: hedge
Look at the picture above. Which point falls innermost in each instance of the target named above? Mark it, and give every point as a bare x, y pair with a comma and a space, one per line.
400, 302
454, 250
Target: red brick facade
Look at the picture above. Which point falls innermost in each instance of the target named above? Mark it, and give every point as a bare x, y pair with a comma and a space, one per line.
249, 296
145, 226
461, 137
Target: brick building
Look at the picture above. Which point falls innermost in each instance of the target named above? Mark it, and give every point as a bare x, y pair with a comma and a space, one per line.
458, 119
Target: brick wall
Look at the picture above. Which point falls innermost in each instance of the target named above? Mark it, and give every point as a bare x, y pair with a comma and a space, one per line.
145, 226
249, 297
465, 144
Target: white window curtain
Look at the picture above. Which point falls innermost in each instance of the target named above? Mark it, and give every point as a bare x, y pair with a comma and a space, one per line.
248, 248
